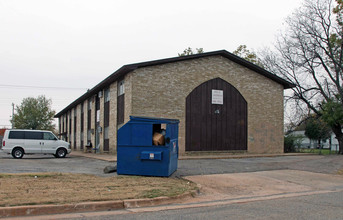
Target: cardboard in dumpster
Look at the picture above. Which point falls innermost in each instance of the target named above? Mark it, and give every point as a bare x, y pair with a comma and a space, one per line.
158, 139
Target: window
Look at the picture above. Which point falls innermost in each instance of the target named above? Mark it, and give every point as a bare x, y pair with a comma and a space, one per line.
67, 123
106, 119
106, 139
16, 135
120, 103
106, 114
107, 95
106, 132
62, 124
89, 133
82, 117
48, 136
121, 88
89, 115
33, 135
81, 140
75, 124
90, 104
70, 123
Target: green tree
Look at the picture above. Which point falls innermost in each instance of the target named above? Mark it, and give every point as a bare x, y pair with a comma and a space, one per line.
243, 52
317, 129
189, 51
309, 54
292, 141
332, 112
34, 113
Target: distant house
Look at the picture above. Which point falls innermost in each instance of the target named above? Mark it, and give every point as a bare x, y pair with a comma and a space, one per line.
330, 143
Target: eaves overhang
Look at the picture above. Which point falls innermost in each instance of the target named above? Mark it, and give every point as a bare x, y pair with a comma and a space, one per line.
131, 67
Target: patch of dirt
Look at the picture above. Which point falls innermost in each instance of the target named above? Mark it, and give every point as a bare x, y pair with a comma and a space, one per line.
56, 188
263, 183
243, 185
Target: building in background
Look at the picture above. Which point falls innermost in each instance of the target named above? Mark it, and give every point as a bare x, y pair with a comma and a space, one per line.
2, 133
330, 143
223, 102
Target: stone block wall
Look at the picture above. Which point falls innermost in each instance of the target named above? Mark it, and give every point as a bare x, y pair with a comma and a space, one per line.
161, 91
128, 97
112, 133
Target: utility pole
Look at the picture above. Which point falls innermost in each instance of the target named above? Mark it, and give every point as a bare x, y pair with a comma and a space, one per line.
12, 115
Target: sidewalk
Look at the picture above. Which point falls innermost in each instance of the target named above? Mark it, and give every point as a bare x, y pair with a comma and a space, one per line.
31, 210
113, 157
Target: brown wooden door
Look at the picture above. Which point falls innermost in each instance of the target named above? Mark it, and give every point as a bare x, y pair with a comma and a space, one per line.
216, 127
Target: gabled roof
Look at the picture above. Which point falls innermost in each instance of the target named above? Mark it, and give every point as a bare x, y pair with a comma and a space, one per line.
131, 67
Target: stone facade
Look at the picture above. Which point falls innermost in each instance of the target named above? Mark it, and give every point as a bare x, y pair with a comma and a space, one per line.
161, 91
113, 118
112, 125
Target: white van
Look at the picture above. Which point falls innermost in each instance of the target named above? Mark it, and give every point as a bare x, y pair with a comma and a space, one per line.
19, 142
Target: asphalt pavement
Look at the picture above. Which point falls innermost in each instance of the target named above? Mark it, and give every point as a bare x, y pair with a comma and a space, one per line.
231, 188
48, 163
313, 163
95, 163
316, 207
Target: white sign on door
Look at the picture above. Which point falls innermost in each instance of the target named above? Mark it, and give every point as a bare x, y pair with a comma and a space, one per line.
217, 97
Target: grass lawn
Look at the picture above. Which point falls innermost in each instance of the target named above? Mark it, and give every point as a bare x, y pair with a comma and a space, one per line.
57, 188
317, 151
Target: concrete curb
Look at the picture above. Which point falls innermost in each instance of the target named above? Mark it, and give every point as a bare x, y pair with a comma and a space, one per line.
136, 203
242, 156
113, 158
31, 210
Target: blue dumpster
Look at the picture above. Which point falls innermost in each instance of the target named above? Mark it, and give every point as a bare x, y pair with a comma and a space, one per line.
148, 146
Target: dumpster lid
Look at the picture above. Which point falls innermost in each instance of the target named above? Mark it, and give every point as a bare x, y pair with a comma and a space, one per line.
153, 120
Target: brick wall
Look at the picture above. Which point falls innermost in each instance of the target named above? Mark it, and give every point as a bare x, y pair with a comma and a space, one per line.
161, 91
112, 131
78, 127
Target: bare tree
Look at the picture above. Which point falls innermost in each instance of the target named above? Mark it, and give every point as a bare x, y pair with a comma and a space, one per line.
309, 54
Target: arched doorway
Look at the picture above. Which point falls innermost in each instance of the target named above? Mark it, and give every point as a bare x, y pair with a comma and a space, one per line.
216, 118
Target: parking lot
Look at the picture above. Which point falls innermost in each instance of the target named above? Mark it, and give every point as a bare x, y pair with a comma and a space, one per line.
48, 163
224, 182
78, 164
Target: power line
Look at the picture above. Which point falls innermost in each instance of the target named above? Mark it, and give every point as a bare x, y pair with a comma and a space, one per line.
38, 87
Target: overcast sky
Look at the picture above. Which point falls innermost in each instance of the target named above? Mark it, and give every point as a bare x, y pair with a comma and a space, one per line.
60, 48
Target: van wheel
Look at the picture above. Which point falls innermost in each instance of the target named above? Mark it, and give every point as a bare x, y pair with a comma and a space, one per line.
17, 153
61, 152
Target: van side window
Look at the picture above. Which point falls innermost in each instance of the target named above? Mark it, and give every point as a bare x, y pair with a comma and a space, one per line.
16, 135
48, 136
33, 135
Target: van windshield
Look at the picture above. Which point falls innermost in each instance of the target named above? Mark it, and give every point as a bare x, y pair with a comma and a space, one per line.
48, 136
